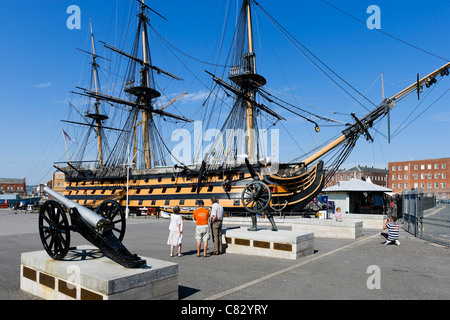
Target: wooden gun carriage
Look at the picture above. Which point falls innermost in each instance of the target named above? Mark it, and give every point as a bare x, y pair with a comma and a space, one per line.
104, 228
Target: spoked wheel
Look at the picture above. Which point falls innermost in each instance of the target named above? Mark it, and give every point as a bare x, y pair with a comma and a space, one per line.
112, 211
54, 229
256, 197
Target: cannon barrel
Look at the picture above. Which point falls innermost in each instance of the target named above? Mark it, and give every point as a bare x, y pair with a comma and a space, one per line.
90, 217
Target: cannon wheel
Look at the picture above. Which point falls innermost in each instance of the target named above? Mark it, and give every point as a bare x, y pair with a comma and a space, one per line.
256, 197
112, 211
54, 229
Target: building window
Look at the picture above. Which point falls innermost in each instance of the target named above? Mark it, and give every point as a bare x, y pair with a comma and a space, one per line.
406, 186
444, 185
429, 185
393, 186
415, 176
436, 175
436, 184
422, 167
416, 167
429, 176
443, 166
444, 175
399, 177
429, 166
399, 168
436, 166
393, 177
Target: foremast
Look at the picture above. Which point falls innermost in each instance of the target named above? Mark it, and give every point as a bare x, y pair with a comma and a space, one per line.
244, 75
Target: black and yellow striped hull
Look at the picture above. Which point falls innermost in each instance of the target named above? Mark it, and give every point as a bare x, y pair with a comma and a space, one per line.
157, 190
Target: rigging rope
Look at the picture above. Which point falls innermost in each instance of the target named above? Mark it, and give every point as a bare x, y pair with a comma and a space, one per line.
385, 33
400, 130
297, 43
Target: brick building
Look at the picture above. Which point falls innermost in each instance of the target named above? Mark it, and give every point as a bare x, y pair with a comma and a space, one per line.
365, 173
432, 176
13, 186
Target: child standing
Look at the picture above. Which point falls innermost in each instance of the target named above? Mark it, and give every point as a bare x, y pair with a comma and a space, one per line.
338, 214
175, 231
393, 228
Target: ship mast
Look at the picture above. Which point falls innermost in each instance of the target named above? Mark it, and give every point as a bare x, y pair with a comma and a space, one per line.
145, 83
249, 110
96, 116
142, 93
245, 77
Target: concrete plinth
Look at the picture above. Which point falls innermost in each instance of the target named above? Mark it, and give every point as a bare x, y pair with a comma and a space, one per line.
329, 228
370, 221
276, 244
86, 274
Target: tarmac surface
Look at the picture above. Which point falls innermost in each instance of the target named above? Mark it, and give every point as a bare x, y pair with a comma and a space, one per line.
361, 269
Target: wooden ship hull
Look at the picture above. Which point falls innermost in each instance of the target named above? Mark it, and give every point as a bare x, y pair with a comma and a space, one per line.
161, 189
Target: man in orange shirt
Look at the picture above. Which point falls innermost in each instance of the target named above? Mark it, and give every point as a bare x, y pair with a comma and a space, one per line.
201, 216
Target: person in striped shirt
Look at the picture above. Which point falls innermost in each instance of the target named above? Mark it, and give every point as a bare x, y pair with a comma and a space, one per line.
393, 231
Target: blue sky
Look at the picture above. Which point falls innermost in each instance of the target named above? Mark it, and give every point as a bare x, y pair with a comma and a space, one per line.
40, 66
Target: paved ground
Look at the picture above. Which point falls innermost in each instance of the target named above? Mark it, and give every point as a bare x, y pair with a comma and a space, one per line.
339, 269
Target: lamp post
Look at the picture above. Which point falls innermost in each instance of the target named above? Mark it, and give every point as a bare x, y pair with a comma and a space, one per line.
130, 163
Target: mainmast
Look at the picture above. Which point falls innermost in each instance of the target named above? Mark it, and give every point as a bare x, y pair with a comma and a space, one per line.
145, 83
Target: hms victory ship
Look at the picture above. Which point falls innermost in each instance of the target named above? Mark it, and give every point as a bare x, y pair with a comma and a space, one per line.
131, 165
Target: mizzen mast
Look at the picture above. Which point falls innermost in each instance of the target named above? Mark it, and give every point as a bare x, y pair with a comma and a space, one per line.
140, 89
97, 116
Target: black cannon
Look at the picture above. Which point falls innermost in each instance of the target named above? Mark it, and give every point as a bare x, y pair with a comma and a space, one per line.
104, 228
256, 198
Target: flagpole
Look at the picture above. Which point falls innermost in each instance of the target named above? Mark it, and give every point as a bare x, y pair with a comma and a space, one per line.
65, 142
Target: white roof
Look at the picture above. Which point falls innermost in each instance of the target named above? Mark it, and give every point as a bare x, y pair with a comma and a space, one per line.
356, 185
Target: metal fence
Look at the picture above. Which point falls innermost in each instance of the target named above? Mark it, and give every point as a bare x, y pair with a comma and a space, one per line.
425, 219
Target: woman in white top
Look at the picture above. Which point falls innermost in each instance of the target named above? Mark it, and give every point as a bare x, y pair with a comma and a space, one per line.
175, 231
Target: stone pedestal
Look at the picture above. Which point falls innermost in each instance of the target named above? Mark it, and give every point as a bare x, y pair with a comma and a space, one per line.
276, 244
327, 228
370, 221
85, 274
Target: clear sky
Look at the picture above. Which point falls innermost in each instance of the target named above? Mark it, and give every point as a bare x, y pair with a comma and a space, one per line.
39, 66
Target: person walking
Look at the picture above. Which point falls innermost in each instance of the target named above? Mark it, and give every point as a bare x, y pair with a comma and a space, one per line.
216, 221
175, 231
201, 217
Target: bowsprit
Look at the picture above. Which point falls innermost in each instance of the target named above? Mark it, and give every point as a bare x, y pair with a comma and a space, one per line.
104, 228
